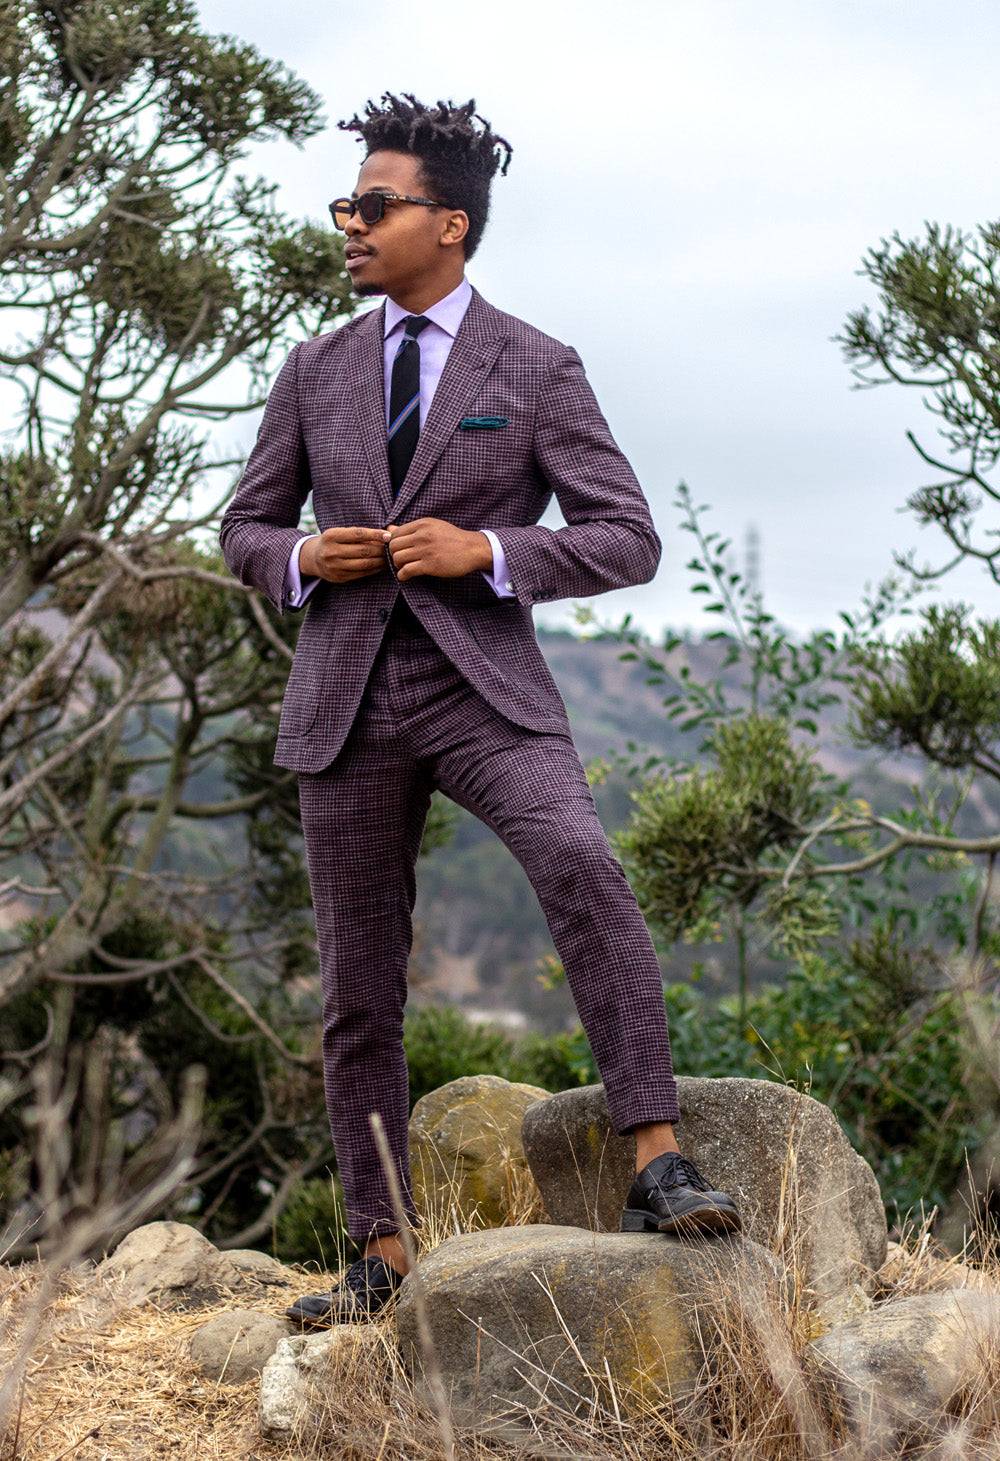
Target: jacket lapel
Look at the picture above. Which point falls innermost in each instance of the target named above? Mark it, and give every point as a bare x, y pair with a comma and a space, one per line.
368, 385
478, 343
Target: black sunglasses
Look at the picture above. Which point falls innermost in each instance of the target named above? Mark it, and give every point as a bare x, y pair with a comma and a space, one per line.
371, 206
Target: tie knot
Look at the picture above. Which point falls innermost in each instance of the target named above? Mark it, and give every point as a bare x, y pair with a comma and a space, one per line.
413, 324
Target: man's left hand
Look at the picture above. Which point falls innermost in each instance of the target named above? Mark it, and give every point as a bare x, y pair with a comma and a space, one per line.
437, 549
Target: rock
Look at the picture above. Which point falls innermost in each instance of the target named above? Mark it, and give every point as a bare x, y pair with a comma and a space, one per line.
302, 1367
171, 1262
234, 1347
260, 1267
843, 1307
176, 1265
466, 1152
802, 1189
525, 1315
899, 1370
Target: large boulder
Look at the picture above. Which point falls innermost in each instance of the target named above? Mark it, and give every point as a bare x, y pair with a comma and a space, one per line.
234, 1347
802, 1189
904, 1370
177, 1266
528, 1316
466, 1154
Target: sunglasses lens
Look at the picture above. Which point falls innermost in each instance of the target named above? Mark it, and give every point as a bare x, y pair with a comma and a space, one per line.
340, 212
371, 206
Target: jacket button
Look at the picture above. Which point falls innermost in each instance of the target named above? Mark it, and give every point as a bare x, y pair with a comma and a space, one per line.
383, 616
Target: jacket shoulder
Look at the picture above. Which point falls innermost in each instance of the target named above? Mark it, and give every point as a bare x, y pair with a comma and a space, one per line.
328, 346
522, 335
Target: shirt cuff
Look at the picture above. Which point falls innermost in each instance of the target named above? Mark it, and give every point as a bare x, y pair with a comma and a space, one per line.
499, 580
297, 590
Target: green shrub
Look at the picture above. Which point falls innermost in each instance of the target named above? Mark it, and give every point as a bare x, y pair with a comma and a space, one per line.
442, 1045
893, 1068
313, 1228
558, 1062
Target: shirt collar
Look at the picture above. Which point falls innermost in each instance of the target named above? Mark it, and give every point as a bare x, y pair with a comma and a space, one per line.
447, 314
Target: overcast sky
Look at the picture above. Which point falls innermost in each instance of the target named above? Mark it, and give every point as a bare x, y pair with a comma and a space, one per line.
694, 185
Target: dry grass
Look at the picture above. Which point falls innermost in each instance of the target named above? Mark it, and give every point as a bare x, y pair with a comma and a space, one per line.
108, 1382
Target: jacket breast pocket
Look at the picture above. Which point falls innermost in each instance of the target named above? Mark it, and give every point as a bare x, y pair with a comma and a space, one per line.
490, 454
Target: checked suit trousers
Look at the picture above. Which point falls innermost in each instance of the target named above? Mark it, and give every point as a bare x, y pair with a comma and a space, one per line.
421, 726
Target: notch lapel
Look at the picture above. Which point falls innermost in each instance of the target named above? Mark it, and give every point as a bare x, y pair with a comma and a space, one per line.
477, 345
368, 387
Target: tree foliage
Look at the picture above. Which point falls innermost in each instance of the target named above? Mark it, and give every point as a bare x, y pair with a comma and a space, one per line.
156, 946
700, 840
937, 327
935, 692
136, 266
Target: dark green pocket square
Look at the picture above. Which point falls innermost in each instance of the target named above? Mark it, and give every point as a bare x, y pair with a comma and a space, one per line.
482, 423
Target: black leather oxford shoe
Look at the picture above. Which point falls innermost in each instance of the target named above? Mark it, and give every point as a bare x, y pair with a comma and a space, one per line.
671, 1196
366, 1288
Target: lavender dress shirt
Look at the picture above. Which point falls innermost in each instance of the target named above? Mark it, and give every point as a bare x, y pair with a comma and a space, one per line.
435, 345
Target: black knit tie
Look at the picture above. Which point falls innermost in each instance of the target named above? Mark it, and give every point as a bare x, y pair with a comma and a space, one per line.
404, 400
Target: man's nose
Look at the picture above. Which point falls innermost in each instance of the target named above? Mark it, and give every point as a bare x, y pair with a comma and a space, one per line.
355, 224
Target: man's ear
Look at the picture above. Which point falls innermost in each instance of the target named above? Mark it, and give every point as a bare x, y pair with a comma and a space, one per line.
455, 228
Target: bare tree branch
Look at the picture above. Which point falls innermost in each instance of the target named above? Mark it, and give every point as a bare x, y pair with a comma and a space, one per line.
16, 795
76, 626
307, 1061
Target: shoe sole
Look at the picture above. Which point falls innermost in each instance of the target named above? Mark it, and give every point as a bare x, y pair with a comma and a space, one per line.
359, 1314
306, 1321
703, 1219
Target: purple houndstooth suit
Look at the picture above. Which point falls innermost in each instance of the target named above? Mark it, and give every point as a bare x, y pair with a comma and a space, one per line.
398, 689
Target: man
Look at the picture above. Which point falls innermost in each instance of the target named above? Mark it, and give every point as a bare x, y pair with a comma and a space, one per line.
432, 433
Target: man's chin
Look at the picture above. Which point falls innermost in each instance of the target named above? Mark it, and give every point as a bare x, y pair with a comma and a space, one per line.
367, 291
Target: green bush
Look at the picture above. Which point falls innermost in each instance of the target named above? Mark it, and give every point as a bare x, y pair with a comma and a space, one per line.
312, 1227
442, 1045
891, 1066
558, 1062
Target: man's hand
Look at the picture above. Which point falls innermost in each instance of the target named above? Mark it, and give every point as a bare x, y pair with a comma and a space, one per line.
340, 555
437, 549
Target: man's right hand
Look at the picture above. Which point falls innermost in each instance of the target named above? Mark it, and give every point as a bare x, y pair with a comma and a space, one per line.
340, 555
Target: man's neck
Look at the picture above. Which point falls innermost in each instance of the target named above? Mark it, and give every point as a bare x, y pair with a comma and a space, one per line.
425, 297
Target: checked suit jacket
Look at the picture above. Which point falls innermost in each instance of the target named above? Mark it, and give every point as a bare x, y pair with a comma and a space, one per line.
324, 432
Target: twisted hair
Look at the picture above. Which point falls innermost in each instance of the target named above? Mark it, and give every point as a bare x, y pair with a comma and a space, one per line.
458, 158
